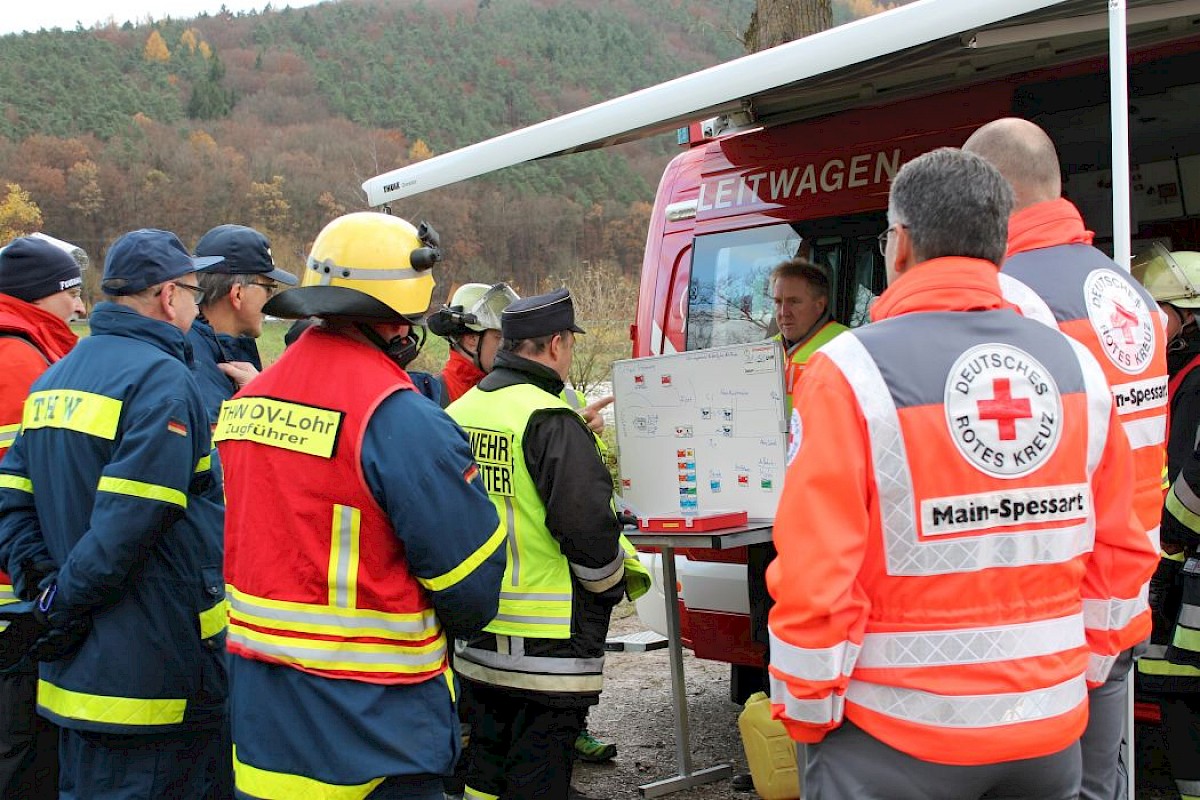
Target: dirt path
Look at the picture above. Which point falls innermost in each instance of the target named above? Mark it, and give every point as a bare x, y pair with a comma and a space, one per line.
635, 712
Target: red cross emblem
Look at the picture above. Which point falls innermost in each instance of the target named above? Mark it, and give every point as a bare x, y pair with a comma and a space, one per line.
1005, 409
1125, 321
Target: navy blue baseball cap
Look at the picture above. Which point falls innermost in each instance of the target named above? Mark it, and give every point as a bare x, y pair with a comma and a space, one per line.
246, 252
540, 315
147, 257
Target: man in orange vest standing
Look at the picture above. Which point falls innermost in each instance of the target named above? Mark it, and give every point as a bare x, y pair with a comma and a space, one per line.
958, 560
800, 293
345, 594
1053, 274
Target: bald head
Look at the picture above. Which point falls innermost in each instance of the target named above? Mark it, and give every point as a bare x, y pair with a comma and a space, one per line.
1025, 157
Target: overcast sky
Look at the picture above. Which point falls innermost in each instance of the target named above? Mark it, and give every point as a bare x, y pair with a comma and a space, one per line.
32, 15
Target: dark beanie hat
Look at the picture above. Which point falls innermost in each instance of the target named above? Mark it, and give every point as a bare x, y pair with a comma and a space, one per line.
32, 268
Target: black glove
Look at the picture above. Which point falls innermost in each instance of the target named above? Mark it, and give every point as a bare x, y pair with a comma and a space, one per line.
17, 639
62, 633
35, 574
627, 520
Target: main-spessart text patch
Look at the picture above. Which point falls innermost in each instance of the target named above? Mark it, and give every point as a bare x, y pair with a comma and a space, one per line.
1121, 319
1004, 509
1004, 410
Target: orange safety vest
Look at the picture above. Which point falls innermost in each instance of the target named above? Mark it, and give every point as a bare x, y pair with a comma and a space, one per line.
317, 577
957, 557
1054, 275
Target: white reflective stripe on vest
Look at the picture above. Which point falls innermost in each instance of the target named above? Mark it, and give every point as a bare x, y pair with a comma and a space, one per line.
340, 655
1099, 666
8, 435
906, 555
343, 556
1100, 405
1114, 614
971, 645
821, 711
314, 619
813, 664
1186, 496
968, 711
1189, 615
1147, 432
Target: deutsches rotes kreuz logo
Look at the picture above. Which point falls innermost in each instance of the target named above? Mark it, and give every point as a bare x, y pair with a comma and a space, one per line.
795, 436
1004, 410
1121, 319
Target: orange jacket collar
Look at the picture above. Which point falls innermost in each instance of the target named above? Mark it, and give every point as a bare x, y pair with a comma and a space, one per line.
48, 332
460, 375
951, 283
1047, 224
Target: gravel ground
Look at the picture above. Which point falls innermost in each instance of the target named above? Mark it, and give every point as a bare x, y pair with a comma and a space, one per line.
635, 712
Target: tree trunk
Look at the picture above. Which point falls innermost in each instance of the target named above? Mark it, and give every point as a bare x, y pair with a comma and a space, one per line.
777, 21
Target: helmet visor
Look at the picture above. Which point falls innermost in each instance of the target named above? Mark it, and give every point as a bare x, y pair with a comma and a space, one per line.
487, 308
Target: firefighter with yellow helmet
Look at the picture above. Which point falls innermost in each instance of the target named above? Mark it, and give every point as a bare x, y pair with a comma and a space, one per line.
1170, 667
345, 592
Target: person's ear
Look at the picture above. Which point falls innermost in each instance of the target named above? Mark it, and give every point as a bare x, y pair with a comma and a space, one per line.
903, 253
166, 301
235, 296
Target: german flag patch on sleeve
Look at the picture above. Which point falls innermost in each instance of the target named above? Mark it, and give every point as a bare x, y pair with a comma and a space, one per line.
177, 427
470, 473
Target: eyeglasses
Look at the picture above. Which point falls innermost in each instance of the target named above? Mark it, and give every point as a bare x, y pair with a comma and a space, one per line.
883, 237
269, 288
197, 292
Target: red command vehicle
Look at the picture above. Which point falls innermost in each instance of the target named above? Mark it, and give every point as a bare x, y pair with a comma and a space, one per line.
790, 152
730, 208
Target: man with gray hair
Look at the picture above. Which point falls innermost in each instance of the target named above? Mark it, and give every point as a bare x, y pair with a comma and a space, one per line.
1054, 275
121, 543
961, 496
231, 313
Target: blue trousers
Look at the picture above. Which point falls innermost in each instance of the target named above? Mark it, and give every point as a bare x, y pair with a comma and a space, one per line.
410, 787
181, 765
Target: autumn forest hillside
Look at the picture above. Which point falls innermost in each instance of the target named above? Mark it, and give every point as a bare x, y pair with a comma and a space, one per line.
275, 118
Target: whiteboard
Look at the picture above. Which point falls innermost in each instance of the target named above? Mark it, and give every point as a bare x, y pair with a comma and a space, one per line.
702, 431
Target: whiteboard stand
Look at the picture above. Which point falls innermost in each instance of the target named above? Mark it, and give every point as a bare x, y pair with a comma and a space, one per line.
686, 777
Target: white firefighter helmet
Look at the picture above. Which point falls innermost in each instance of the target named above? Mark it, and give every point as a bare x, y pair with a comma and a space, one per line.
1172, 278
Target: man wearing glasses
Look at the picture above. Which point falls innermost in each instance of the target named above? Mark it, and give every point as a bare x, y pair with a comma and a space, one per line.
231, 315
111, 522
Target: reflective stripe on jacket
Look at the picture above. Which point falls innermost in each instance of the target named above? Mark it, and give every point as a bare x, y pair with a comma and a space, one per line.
542, 639
133, 519
1181, 526
326, 587
957, 558
535, 598
1078, 289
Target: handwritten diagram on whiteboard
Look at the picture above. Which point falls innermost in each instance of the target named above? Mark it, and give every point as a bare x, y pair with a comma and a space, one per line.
703, 431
